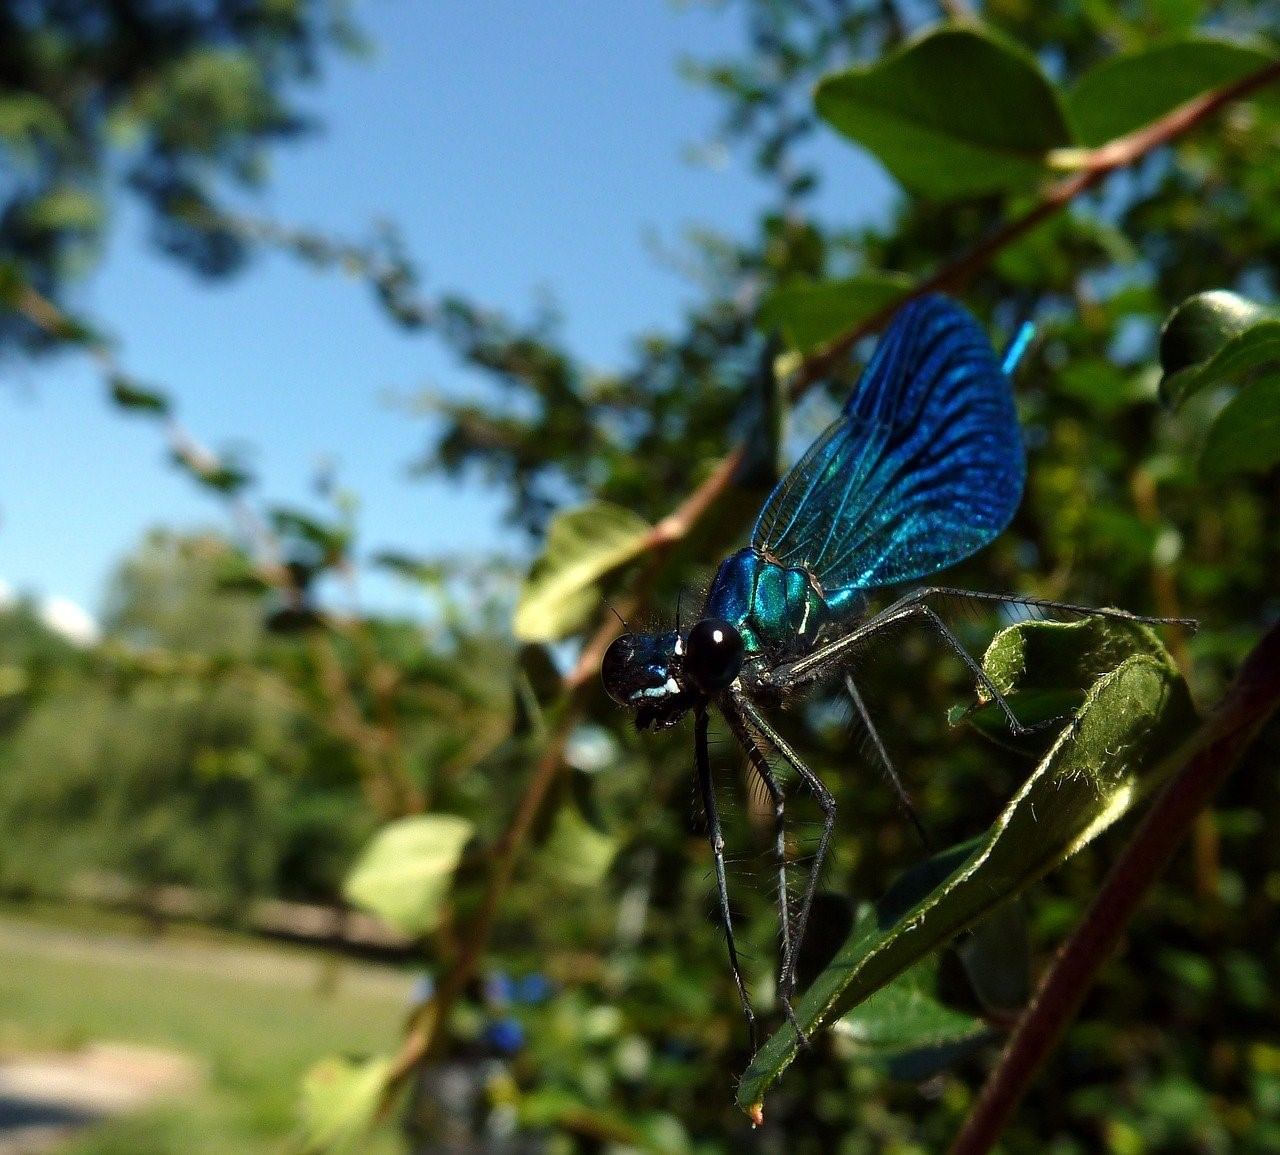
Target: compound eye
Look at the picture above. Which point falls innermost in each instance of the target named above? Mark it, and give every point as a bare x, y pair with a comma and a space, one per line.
616, 669
713, 655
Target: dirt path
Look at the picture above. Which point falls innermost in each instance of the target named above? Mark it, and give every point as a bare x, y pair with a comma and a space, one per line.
44, 1098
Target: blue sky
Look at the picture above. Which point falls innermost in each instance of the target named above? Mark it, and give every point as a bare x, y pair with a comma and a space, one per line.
521, 149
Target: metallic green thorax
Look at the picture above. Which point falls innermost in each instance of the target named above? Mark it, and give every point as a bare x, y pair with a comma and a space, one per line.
778, 611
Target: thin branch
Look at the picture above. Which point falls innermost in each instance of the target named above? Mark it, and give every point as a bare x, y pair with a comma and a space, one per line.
1252, 700
1097, 165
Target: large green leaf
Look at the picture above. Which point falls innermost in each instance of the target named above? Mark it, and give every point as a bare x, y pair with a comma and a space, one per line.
582, 546
957, 112
340, 1101
1127, 92
404, 874
810, 315
1130, 720
1213, 338
1245, 436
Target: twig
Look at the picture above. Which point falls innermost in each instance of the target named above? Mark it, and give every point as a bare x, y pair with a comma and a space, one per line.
1251, 701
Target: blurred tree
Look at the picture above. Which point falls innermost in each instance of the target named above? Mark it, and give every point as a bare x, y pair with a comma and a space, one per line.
172, 102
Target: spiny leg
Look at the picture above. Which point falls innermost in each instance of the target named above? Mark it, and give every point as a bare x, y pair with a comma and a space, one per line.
904, 799
760, 763
707, 789
826, 658
835, 654
827, 804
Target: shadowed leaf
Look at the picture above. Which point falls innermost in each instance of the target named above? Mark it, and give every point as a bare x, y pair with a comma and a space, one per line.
1245, 436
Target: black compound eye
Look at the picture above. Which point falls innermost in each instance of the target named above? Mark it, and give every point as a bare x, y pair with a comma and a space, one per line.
616, 669
713, 655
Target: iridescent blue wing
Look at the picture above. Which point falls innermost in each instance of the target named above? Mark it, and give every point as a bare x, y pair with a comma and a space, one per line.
924, 467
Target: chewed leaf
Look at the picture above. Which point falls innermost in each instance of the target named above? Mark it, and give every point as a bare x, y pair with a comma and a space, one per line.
582, 546
1061, 657
1132, 717
405, 873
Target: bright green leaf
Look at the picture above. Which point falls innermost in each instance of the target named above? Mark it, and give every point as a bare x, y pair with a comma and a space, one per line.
340, 1101
811, 315
1245, 436
1127, 92
1212, 338
957, 112
582, 546
1131, 718
404, 874
577, 854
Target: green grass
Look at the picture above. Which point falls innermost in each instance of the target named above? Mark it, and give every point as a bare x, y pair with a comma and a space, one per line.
256, 1016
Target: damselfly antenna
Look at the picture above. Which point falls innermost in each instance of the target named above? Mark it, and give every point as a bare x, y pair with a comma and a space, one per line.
617, 615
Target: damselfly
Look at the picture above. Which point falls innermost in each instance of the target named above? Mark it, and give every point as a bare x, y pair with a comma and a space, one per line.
924, 466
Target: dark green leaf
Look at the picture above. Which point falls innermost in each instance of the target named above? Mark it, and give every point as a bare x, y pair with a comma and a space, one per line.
582, 546
996, 956
1212, 338
1245, 436
537, 685
1131, 718
957, 112
904, 1027
1127, 92
810, 315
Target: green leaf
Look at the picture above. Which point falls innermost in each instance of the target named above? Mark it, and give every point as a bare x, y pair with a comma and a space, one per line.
1212, 338
905, 1028
128, 394
577, 854
404, 874
1245, 436
1127, 92
582, 546
810, 315
340, 1101
1131, 718
957, 112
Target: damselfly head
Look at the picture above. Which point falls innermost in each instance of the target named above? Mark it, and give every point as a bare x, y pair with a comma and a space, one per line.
645, 673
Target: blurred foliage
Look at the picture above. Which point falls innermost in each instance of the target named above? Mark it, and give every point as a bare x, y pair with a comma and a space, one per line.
173, 102
236, 733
